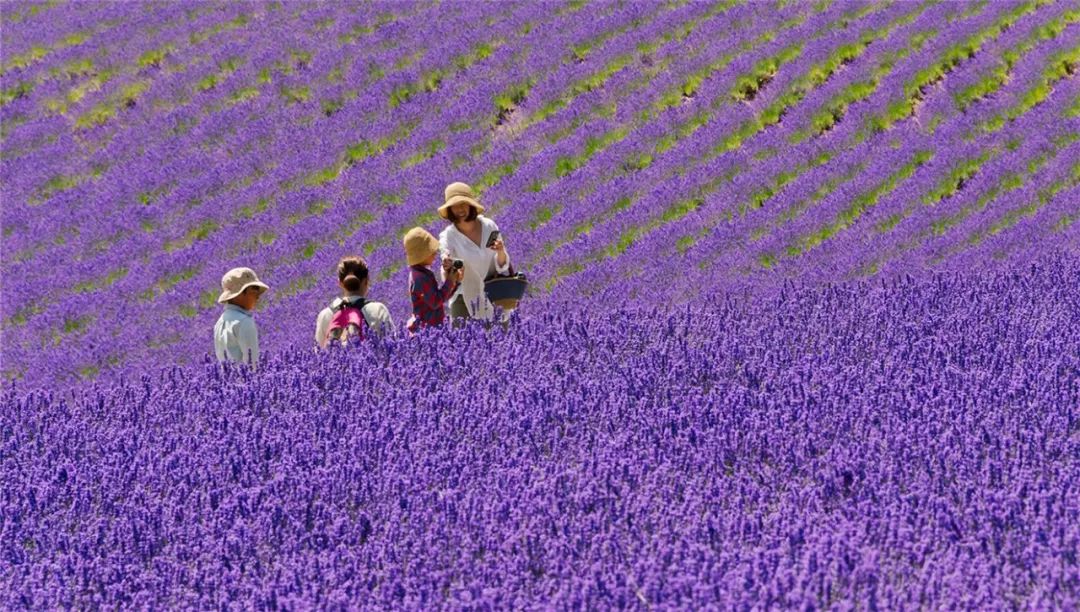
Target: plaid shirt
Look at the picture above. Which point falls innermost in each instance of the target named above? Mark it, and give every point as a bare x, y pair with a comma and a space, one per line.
428, 299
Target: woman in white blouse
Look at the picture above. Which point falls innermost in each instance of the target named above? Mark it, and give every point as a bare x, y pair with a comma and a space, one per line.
475, 240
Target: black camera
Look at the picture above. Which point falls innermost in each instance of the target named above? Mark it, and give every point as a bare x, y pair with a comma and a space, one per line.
457, 264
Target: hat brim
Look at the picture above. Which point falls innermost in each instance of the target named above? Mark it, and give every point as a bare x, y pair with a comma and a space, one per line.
444, 210
414, 257
228, 295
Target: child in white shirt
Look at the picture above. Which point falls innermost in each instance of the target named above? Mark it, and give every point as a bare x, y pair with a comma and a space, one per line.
235, 336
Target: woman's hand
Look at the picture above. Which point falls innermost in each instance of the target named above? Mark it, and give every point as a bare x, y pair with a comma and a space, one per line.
500, 251
447, 262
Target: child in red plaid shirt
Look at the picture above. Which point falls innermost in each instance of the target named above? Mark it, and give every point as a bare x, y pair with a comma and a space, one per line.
428, 299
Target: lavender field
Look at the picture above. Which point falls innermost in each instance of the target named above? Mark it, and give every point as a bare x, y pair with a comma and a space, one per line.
803, 328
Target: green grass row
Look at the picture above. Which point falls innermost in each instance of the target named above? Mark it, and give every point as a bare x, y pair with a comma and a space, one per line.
999, 75
916, 87
664, 144
961, 172
1000, 188
833, 111
858, 206
595, 145
757, 77
1007, 183
1042, 198
1062, 65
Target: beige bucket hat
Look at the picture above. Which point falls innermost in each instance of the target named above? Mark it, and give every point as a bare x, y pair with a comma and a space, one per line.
458, 192
236, 281
419, 245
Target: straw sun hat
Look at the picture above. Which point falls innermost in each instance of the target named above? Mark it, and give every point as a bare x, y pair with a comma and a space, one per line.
455, 193
419, 245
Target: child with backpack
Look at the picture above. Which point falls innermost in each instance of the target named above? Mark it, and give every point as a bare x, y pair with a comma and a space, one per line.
349, 317
428, 298
235, 336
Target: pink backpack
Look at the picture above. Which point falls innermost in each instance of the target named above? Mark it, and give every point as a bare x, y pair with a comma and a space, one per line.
348, 322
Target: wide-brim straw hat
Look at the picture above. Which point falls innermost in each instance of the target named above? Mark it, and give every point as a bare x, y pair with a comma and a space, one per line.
419, 245
236, 281
456, 193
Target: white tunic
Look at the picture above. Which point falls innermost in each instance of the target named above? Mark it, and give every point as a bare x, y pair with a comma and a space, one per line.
480, 264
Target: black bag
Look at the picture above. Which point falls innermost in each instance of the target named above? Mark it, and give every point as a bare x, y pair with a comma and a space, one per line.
506, 291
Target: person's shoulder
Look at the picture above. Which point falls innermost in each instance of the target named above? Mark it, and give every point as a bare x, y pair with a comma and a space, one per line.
377, 309
231, 313
419, 275
247, 322
487, 222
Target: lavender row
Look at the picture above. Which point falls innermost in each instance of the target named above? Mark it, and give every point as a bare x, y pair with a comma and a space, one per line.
663, 246
662, 166
733, 162
1037, 121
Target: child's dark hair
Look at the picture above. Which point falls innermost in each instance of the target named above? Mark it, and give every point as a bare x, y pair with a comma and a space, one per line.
452, 218
352, 271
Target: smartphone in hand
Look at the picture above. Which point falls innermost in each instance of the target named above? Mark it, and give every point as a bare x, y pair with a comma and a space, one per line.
492, 238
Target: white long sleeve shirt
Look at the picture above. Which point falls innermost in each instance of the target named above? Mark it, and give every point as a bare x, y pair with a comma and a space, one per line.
481, 263
235, 336
376, 314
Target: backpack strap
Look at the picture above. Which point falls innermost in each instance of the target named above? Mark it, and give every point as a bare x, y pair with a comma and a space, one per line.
341, 303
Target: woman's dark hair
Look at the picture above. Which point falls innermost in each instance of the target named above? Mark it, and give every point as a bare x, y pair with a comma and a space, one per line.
352, 271
452, 218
